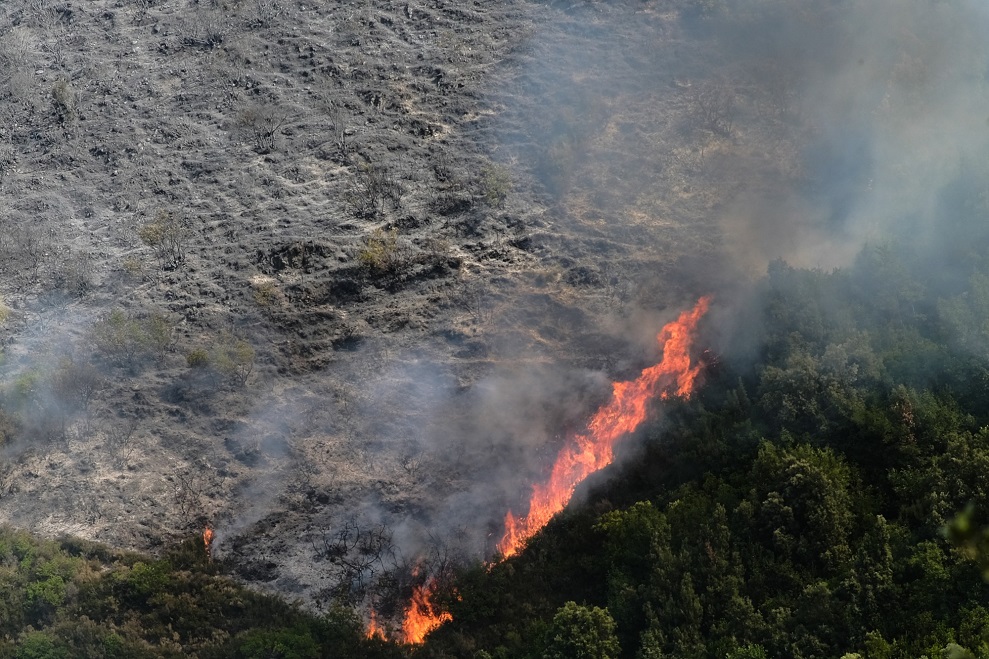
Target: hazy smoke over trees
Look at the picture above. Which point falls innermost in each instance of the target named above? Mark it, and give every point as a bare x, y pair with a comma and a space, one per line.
885, 104
800, 131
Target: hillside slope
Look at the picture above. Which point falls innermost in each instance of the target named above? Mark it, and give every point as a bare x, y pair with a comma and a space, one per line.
257, 257
337, 278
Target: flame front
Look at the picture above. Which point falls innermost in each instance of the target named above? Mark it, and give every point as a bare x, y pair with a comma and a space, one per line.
420, 615
583, 454
374, 630
208, 541
593, 449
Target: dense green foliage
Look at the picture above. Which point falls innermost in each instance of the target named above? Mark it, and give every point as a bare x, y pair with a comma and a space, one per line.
797, 506
70, 599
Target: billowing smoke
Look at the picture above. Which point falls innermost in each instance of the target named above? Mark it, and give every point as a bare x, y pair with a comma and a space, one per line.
883, 107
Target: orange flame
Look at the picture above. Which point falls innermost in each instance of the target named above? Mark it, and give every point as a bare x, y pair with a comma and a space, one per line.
584, 454
374, 630
593, 449
421, 617
208, 541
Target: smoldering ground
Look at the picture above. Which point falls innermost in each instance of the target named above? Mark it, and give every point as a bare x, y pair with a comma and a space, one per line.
434, 466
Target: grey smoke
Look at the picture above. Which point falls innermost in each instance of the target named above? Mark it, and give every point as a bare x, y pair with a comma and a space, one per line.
888, 104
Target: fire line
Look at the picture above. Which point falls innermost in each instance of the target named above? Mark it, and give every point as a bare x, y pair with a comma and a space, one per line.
582, 455
421, 617
208, 542
593, 449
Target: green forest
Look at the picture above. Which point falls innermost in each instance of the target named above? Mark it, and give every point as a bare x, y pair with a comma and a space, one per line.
71, 598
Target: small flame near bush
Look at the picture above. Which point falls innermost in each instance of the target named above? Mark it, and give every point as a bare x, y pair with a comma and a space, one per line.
208, 542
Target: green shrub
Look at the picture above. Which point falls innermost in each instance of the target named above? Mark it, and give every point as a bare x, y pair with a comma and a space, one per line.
133, 267
125, 340
158, 334
260, 643
380, 252
197, 358
149, 578
9, 428
496, 184
233, 358
167, 235
63, 101
581, 632
39, 645
74, 384
117, 337
266, 294
25, 389
227, 357
51, 591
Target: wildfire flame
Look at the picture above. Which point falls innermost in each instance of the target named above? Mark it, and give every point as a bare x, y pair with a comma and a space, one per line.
583, 454
593, 449
420, 615
374, 630
208, 541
